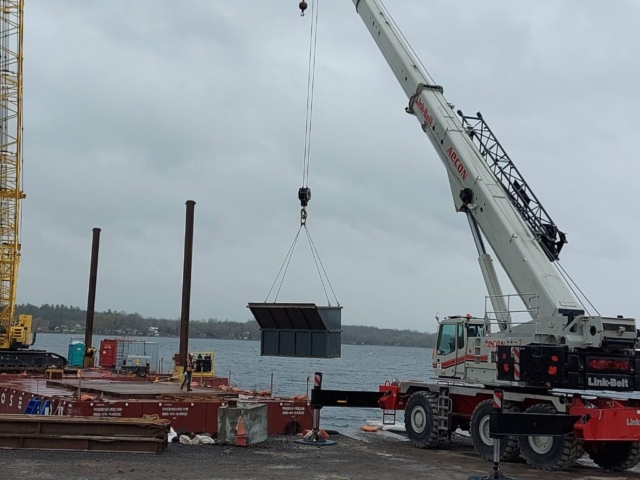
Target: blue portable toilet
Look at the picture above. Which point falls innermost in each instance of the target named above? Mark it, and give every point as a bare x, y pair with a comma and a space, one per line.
76, 353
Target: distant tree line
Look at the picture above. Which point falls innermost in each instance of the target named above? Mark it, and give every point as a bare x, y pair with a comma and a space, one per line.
361, 335
61, 318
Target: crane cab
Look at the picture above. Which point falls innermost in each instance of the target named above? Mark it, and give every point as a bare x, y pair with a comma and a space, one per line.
456, 341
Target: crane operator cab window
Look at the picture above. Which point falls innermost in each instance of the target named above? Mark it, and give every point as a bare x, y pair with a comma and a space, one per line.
452, 337
451, 349
447, 339
474, 331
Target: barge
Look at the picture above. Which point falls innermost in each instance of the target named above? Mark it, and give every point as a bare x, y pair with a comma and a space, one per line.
196, 411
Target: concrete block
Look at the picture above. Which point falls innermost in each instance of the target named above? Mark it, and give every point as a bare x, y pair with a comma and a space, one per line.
254, 417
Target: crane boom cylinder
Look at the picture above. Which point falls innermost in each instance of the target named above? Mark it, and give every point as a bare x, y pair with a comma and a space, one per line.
496, 296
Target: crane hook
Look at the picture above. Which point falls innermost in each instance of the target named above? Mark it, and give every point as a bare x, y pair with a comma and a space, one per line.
303, 7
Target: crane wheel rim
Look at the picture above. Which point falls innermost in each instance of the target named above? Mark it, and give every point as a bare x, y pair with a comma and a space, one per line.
483, 430
418, 419
540, 444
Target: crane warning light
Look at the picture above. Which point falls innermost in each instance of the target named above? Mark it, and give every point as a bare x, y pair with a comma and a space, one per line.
468, 315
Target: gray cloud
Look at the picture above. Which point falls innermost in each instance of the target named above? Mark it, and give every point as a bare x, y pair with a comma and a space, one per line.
133, 108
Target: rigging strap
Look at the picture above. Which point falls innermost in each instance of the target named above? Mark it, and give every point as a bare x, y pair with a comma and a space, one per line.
322, 272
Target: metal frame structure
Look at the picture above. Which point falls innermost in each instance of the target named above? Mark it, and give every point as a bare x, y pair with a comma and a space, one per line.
298, 329
519, 192
11, 42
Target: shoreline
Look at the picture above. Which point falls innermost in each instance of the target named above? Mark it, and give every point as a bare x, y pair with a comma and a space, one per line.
81, 334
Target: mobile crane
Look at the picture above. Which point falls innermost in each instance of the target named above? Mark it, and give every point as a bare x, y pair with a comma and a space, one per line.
546, 365
15, 334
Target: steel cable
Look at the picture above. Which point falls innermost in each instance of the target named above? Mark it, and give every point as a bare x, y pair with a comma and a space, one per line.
310, 91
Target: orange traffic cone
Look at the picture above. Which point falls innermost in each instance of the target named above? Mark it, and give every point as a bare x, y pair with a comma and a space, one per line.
241, 435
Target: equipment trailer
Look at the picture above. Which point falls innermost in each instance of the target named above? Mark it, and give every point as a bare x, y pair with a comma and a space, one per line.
548, 367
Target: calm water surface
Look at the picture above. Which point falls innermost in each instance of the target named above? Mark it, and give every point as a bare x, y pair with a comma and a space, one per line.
361, 367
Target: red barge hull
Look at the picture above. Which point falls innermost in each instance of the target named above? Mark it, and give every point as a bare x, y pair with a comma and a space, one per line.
191, 412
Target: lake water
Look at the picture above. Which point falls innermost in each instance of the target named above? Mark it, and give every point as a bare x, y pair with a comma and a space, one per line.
361, 367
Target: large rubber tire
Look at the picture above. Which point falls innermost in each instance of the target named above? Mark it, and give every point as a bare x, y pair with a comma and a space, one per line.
479, 430
549, 453
420, 420
614, 456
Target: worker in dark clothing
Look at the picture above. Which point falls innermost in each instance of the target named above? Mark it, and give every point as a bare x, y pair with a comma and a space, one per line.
188, 369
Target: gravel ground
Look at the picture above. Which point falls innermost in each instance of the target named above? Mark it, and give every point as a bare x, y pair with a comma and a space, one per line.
381, 456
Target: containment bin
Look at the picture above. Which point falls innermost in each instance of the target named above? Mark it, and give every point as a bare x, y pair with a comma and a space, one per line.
107, 353
75, 358
299, 329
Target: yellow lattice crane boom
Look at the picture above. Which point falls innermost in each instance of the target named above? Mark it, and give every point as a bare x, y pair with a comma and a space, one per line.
15, 334
11, 41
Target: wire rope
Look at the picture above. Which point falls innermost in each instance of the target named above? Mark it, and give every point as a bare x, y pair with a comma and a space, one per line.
311, 76
288, 256
304, 193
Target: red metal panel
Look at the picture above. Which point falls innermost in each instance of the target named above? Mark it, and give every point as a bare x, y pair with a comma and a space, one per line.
610, 421
107, 355
13, 401
285, 416
78, 409
288, 417
391, 400
187, 416
16, 401
116, 409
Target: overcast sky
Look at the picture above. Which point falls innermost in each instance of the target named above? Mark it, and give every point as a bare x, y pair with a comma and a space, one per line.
132, 108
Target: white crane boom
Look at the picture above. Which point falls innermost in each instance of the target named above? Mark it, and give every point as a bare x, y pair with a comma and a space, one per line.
475, 188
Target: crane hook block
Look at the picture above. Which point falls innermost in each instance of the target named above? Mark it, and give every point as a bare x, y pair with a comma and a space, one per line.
303, 7
304, 195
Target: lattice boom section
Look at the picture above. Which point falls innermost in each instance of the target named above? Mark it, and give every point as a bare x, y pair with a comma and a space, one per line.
11, 21
550, 238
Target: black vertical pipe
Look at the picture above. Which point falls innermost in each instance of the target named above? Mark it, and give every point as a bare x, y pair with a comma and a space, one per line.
186, 283
91, 301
